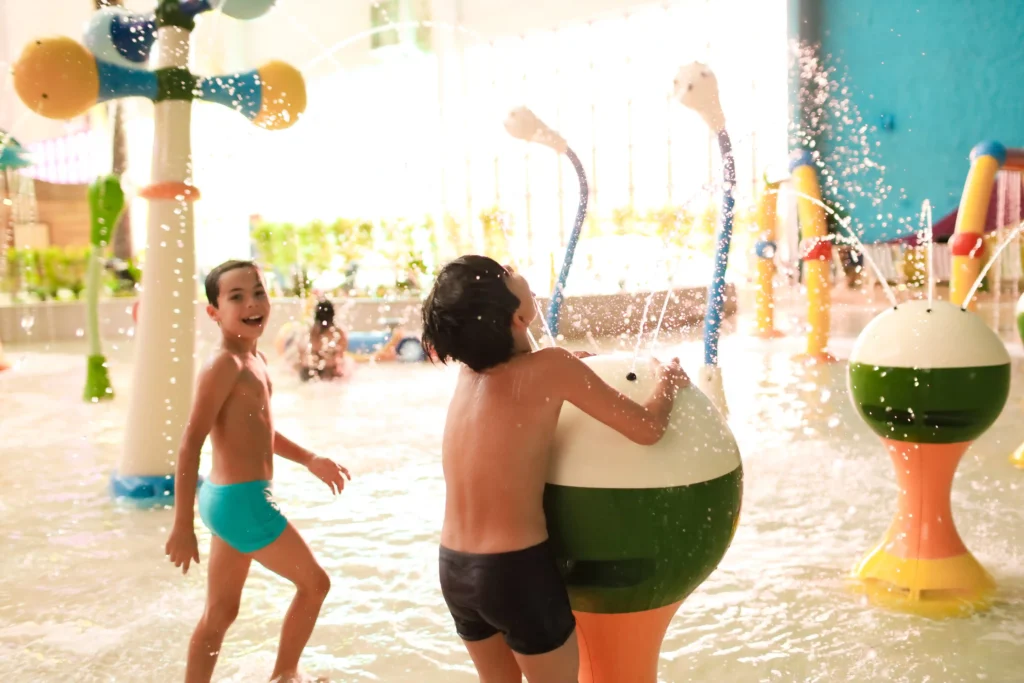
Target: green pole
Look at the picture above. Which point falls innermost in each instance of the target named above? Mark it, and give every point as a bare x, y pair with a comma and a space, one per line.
106, 202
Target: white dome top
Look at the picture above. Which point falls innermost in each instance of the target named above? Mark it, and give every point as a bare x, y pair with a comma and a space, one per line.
698, 445
911, 336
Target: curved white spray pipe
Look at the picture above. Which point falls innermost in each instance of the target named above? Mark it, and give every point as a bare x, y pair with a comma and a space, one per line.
845, 222
926, 217
988, 266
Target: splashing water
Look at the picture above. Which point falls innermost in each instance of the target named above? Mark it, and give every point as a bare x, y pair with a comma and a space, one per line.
845, 222
984, 271
848, 170
391, 26
640, 335
27, 323
664, 307
543, 318
705, 191
926, 218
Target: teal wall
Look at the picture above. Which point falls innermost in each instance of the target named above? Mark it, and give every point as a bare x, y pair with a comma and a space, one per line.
947, 71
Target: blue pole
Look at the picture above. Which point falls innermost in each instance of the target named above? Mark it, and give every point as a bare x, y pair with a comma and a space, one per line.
716, 290
557, 296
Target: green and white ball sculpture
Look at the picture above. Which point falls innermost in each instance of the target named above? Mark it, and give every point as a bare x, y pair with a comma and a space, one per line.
637, 528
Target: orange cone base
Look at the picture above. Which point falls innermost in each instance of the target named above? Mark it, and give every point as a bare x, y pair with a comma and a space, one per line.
622, 648
768, 334
922, 565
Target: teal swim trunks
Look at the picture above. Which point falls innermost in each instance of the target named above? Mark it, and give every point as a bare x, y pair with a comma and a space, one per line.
245, 516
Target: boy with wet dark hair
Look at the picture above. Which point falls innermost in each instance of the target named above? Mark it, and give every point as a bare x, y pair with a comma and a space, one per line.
232, 407
498, 574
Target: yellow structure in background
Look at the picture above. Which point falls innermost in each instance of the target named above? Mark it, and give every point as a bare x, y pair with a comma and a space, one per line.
765, 247
816, 253
967, 243
967, 246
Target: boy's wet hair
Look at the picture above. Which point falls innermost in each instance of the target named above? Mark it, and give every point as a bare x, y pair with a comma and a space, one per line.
324, 314
213, 278
468, 315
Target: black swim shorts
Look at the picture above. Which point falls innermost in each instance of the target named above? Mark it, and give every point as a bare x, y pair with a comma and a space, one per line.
519, 594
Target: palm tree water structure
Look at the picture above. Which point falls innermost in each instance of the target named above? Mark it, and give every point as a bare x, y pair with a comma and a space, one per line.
696, 88
524, 124
59, 78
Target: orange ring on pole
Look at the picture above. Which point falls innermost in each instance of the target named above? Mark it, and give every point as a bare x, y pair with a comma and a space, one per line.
966, 244
170, 190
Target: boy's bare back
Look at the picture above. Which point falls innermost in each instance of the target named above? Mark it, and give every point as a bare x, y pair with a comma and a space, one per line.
498, 438
497, 442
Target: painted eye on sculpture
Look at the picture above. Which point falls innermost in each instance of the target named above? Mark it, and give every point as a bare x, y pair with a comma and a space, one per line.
116, 36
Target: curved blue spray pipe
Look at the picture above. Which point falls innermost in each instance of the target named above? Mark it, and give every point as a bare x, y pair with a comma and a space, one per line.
558, 296
716, 290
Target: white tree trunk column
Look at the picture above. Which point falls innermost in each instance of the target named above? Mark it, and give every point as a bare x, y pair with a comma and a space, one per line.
165, 335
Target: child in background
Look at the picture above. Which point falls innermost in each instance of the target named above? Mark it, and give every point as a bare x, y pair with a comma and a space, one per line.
325, 357
232, 405
497, 572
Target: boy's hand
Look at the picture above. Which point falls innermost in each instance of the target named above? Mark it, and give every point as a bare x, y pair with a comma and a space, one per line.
182, 547
329, 472
582, 354
674, 374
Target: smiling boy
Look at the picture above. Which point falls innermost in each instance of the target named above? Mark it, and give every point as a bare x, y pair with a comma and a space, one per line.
232, 406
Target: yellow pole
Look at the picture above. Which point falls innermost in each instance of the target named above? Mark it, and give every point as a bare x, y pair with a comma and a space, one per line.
817, 257
764, 249
967, 243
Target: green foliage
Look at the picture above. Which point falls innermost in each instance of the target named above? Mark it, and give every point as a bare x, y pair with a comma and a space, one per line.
46, 274
297, 254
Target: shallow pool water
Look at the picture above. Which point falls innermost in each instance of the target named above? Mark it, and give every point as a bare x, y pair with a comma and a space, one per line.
86, 593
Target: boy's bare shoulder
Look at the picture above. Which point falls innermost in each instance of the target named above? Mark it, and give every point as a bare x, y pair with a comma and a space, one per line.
223, 365
554, 357
554, 363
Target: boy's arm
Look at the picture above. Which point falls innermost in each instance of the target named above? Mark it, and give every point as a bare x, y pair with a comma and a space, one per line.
326, 470
215, 384
577, 383
290, 450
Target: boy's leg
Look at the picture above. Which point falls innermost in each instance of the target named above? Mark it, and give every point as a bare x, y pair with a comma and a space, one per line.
561, 665
494, 660
226, 572
290, 557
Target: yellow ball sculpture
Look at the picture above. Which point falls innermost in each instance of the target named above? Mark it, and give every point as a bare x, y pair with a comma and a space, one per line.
56, 77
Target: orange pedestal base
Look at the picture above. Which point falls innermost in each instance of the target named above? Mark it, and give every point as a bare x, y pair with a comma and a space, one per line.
622, 648
921, 565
